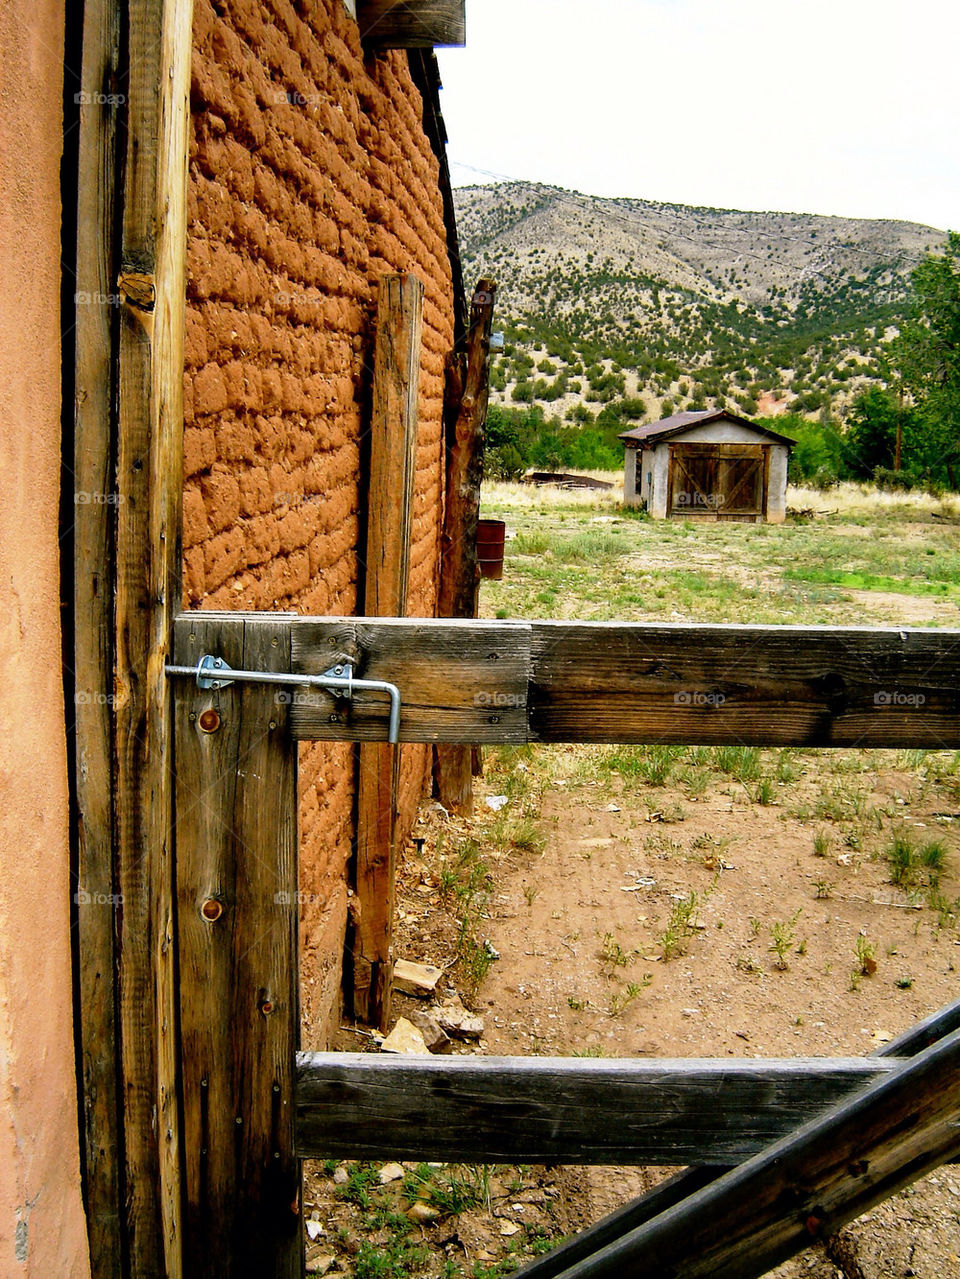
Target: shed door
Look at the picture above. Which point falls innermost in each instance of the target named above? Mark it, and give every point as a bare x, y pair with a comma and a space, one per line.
723, 480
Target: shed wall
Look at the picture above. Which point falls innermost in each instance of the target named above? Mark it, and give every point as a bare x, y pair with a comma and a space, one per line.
310, 176
42, 1227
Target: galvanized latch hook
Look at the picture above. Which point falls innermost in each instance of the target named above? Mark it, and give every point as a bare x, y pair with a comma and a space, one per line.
213, 672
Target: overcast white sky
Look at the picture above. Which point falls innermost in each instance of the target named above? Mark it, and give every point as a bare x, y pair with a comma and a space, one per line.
825, 106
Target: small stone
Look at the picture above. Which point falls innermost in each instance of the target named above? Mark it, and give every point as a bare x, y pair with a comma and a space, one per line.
318, 1263
423, 1213
314, 1229
508, 1228
341, 1176
434, 1037
457, 1021
404, 1038
388, 1173
416, 979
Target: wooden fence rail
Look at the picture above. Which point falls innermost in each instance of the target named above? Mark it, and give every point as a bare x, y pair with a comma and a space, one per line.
562, 1110
469, 681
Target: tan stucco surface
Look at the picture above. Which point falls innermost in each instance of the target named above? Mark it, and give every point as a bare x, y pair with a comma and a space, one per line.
42, 1229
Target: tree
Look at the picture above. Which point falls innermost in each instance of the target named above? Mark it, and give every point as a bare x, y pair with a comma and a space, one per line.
927, 355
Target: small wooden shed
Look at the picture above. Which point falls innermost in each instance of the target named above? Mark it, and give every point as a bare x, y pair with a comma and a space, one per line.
710, 464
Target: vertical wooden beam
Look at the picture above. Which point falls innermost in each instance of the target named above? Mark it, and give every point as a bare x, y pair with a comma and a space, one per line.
151, 284
93, 576
237, 949
468, 386
393, 443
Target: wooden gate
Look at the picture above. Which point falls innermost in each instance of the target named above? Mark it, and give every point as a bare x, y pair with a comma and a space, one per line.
252, 1108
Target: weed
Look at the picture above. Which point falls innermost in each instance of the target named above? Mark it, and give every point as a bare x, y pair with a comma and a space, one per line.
765, 791
755, 926
932, 855
821, 844
866, 956
531, 892
741, 762
903, 983
824, 888
900, 855
747, 964
781, 938
612, 954
680, 925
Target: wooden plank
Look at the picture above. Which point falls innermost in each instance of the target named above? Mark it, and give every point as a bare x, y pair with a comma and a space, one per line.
93, 579
392, 471
151, 284
677, 1188
411, 24
755, 685
460, 681
562, 1110
484, 681
465, 417
237, 915
806, 1186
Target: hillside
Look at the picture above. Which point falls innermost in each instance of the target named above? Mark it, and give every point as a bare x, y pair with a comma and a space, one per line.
675, 307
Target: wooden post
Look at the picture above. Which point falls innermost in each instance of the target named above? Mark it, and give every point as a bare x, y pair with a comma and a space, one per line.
237, 916
152, 288
93, 582
128, 458
468, 385
393, 443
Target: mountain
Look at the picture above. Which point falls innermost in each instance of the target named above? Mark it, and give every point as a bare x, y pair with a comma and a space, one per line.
672, 307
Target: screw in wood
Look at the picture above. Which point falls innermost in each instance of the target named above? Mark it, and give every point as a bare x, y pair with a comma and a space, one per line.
210, 720
211, 910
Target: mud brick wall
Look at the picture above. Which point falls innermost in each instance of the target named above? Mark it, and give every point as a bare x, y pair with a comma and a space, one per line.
310, 176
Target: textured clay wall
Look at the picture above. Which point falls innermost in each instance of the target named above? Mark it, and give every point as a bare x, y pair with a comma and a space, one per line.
42, 1229
310, 176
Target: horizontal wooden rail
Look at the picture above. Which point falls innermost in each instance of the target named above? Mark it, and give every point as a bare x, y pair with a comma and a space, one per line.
471, 681
487, 681
803, 1188
562, 1110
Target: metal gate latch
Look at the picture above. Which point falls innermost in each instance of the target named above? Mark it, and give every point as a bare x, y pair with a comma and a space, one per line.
213, 672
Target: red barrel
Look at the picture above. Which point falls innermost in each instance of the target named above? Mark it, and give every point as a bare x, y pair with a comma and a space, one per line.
490, 539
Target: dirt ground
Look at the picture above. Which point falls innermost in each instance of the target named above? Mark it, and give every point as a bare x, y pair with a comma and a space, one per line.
581, 883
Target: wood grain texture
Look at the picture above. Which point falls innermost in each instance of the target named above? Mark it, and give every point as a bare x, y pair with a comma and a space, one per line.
465, 416
392, 468
237, 911
93, 579
562, 1110
151, 283
464, 681
672, 1192
411, 24
458, 681
804, 1187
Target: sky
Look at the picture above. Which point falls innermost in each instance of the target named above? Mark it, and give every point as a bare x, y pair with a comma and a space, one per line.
842, 107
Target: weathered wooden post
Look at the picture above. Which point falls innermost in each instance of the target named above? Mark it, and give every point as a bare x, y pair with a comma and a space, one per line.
237, 902
468, 386
393, 447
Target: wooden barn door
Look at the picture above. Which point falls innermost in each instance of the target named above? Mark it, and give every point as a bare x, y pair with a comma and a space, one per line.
727, 481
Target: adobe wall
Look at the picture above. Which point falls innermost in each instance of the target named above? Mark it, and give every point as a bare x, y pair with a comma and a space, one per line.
42, 1229
310, 176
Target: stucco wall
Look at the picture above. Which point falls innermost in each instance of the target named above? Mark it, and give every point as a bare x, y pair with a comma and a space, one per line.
777, 484
310, 176
42, 1230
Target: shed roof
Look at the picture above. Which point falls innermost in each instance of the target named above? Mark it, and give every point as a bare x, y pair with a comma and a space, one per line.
677, 423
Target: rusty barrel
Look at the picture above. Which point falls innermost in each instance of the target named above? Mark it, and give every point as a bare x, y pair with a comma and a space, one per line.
490, 539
